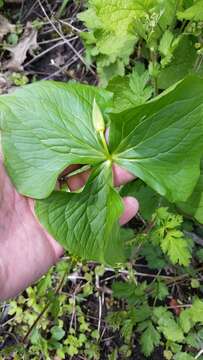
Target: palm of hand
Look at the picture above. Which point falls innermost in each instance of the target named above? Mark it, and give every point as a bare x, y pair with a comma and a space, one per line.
26, 249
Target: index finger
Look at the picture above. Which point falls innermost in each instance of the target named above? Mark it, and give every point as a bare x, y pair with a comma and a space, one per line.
120, 177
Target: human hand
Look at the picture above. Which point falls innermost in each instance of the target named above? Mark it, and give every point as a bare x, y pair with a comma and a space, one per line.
26, 249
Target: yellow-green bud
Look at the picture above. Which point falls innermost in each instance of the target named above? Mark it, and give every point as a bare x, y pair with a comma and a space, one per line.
97, 118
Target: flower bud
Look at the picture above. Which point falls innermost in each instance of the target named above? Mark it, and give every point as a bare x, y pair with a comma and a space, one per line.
97, 118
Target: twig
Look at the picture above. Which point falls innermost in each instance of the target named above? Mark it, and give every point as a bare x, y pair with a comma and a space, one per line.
65, 40
73, 316
169, 279
198, 63
44, 52
73, 311
100, 314
71, 26
30, 10
153, 56
199, 354
103, 332
136, 273
54, 40
180, 306
178, 278
100, 303
194, 237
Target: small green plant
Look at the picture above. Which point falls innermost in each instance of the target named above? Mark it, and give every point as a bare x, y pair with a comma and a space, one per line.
47, 330
19, 79
152, 324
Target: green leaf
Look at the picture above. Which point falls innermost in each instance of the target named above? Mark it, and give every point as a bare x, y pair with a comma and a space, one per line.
142, 313
172, 241
165, 43
86, 223
176, 247
145, 195
183, 356
185, 320
152, 141
195, 12
113, 355
192, 316
160, 290
167, 325
127, 330
180, 62
171, 330
110, 37
129, 291
154, 256
130, 90
149, 339
194, 205
193, 340
123, 290
45, 127
167, 46
159, 16
57, 333
197, 311
35, 337
199, 254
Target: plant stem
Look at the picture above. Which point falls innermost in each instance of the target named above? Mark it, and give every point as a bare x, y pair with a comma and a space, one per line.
62, 8
153, 56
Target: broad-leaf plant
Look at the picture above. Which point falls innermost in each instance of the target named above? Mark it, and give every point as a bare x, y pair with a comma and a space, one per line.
47, 126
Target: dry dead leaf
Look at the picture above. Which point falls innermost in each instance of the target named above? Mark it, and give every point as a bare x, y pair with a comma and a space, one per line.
5, 27
5, 83
59, 59
27, 43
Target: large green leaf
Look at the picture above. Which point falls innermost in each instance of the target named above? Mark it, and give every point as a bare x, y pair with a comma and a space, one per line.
148, 199
162, 142
45, 127
194, 205
86, 223
195, 12
48, 126
183, 62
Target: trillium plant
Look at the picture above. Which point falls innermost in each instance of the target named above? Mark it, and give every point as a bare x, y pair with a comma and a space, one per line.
47, 126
